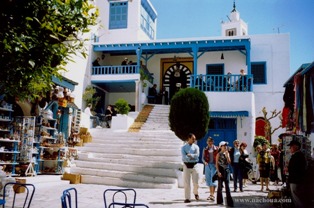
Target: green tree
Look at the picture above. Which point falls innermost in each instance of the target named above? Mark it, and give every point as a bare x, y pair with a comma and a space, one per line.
189, 113
90, 96
38, 38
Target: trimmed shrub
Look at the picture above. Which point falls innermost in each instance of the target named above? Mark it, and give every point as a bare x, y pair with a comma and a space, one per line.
189, 113
122, 106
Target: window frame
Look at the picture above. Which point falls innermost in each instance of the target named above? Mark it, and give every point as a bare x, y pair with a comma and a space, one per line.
263, 64
116, 9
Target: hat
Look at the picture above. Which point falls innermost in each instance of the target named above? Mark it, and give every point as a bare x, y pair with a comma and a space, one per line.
268, 150
223, 143
293, 142
125, 58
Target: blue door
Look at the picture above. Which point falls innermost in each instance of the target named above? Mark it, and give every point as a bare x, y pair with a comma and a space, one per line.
220, 130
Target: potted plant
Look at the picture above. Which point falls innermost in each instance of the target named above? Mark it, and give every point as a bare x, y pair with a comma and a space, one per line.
122, 122
122, 106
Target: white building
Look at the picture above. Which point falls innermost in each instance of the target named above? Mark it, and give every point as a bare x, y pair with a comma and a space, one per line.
128, 29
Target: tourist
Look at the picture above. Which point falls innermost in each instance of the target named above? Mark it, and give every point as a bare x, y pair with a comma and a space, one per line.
237, 172
222, 166
190, 156
108, 116
124, 62
243, 164
296, 169
96, 62
264, 166
209, 160
276, 154
88, 111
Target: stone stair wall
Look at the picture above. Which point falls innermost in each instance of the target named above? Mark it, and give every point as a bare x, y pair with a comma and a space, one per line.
149, 158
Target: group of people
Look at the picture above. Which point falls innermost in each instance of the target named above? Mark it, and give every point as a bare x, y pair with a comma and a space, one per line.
216, 160
158, 98
100, 116
221, 160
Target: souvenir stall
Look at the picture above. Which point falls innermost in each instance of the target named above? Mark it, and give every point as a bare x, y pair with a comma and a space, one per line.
59, 120
298, 120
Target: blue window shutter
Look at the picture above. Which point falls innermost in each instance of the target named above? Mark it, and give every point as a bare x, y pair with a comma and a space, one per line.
118, 17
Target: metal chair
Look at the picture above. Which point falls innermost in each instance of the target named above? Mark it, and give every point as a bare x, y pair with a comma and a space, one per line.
26, 197
126, 205
121, 195
66, 198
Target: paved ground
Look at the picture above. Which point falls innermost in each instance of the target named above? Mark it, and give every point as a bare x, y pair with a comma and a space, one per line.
48, 195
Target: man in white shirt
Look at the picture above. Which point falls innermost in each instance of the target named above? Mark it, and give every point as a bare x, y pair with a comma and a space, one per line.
88, 112
190, 154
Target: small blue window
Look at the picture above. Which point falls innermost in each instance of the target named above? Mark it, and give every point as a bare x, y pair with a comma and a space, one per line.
118, 17
258, 70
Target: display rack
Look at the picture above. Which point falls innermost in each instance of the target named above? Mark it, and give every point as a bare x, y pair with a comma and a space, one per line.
24, 130
5, 120
51, 148
51, 160
8, 155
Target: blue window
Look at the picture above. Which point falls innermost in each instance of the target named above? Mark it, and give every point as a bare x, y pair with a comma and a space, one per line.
148, 17
258, 70
118, 15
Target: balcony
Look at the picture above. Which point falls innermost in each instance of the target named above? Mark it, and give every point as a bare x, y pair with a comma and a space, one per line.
123, 70
222, 83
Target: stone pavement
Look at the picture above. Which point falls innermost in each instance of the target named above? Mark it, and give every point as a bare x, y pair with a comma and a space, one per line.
49, 190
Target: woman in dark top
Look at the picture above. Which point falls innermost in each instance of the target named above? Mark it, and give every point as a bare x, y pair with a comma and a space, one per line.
222, 166
243, 164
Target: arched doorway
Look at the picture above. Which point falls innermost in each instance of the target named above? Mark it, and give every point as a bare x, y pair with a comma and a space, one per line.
175, 77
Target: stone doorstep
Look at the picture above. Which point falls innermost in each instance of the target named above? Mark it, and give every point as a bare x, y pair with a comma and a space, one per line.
152, 171
157, 140
91, 156
87, 179
133, 162
125, 175
143, 145
143, 152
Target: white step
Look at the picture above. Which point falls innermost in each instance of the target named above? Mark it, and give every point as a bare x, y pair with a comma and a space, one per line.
149, 158
109, 181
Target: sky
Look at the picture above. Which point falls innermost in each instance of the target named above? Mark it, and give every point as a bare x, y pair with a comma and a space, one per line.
202, 18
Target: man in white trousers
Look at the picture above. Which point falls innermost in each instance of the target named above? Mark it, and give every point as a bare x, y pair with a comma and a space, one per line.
190, 156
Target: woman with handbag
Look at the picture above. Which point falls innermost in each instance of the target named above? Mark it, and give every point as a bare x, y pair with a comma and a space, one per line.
222, 166
209, 160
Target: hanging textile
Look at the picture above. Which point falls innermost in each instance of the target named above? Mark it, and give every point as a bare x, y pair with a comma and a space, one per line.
297, 100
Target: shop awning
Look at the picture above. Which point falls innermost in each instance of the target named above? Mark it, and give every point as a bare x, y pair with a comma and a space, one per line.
65, 82
228, 114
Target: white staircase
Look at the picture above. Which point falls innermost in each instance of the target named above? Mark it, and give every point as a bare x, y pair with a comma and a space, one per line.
146, 159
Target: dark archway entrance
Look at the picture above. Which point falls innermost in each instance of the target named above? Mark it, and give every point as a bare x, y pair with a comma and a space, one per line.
175, 77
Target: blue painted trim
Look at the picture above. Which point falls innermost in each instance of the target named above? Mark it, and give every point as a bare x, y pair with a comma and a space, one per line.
147, 6
177, 46
228, 114
64, 82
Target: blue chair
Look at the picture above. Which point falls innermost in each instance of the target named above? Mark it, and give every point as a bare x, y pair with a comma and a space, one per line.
66, 198
121, 195
126, 205
27, 197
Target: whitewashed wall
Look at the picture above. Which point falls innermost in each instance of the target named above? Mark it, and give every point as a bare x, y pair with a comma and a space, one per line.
133, 32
